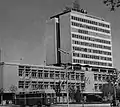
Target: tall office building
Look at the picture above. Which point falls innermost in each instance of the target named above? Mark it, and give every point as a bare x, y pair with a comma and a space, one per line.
86, 38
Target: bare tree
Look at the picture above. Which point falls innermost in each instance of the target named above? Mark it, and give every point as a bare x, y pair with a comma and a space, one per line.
112, 4
13, 89
78, 95
72, 92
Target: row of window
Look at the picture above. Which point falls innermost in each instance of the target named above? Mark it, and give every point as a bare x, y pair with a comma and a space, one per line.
90, 27
90, 39
91, 50
92, 56
45, 85
25, 70
93, 33
101, 77
91, 62
51, 75
40, 85
90, 21
91, 45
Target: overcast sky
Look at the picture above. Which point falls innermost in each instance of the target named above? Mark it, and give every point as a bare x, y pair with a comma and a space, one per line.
22, 26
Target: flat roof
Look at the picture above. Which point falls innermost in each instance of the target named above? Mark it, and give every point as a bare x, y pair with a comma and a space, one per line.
79, 11
53, 66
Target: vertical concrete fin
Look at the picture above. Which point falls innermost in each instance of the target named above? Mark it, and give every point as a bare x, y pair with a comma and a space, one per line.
1, 70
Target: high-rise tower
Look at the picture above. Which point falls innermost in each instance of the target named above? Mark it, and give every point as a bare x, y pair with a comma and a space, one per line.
86, 36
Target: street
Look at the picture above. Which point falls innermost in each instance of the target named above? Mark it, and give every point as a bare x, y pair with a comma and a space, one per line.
85, 105
64, 105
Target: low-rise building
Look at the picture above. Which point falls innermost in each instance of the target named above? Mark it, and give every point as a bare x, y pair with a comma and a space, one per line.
36, 78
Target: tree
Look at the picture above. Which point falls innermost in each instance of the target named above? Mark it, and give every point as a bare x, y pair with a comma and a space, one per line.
13, 89
78, 95
107, 89
57, 89
118, 92
113, 4
1, 92
72, 92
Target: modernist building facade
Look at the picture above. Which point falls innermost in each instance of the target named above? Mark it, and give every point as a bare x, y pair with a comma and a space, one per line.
87, 37
36, 78
72, 37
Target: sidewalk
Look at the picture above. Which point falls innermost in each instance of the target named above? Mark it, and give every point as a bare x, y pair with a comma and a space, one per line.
80, 105
10, 105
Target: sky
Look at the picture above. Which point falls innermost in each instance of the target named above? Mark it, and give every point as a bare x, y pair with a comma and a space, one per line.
22, 27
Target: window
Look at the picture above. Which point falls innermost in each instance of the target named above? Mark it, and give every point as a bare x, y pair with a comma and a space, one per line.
82, 86
34, 85
100, 87
27, 73
57, 75
40, 85
34, 74
95, 69
96, 87
51, 74
99, 77
20, 73
107, 77
102, 70
27, 68
111, 71
82, 76
46, 85
45, 74
63, 75
82, 31
20, 84
72, 77
27, 84
21, 67
40, 75
103, 78
63, 87
95, 77
109, 64
52, 85
77, 76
